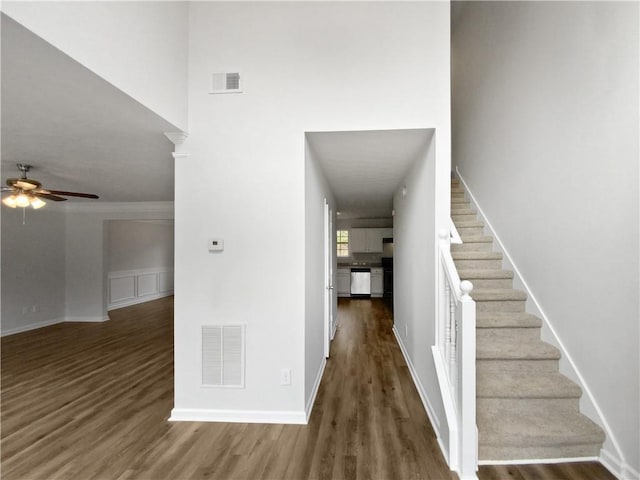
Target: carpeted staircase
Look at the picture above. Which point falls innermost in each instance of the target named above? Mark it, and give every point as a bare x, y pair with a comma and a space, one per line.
526, 409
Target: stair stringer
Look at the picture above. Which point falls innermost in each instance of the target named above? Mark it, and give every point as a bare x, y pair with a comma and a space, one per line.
610, 455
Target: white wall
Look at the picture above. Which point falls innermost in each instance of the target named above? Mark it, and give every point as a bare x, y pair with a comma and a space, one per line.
545, 123
140, 47
33, 268
305, 67
414, 275
87, 253
140, 244
316, 191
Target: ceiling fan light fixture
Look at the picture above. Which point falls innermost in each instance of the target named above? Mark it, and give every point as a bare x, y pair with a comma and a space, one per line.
27, 191
10, 201
36, 203
22, 200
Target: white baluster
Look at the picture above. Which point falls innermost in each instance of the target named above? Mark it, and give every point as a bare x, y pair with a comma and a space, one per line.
447, 324
453, 338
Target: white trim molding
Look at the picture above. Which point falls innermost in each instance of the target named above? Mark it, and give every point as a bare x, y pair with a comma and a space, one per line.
32, 326
314, 392
619, 468
237, 416
177, 138
87, 319
130, 287
567, 367
127, 207
433, 418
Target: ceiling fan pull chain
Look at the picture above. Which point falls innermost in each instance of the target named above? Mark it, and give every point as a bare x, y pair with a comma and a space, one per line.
24, 216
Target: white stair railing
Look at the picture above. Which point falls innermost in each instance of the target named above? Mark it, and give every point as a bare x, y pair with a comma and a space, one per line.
456, 337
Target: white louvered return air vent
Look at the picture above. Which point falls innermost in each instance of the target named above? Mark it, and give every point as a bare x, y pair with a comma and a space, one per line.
223, 356
227, 82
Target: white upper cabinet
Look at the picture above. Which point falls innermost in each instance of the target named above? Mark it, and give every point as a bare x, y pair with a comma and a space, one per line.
367, 240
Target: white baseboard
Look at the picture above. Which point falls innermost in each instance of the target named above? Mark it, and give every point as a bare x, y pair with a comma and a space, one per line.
237, 416
433, 418
533, 306
532, 461
621, 470
314, 391
86, 319
31, 326
135, 301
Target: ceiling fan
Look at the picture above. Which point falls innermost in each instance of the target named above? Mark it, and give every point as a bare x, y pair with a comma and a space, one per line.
26, 191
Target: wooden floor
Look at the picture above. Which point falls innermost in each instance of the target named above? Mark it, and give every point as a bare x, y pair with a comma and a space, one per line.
91, 401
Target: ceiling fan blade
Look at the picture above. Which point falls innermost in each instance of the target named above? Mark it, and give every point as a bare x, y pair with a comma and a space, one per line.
7, 189
73, 194
48, 196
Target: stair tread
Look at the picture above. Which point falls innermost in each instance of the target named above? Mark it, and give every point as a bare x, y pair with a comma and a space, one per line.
464, 255
471, 273
509, 349
536, 425
528, 385
507, 320
497, 294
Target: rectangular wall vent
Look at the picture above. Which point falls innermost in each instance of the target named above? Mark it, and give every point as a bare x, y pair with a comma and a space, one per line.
225, 83
223, 355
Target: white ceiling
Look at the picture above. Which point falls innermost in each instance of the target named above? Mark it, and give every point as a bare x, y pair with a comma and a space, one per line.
365, 168
79, 131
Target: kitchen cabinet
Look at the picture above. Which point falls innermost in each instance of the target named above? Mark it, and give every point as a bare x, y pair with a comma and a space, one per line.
366, 240
343, 281
376, 282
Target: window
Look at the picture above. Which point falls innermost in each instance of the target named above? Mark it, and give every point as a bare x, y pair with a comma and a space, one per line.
342, 246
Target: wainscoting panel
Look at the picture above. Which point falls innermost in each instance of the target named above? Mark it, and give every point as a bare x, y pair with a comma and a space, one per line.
122, 289
147, 284
136, 286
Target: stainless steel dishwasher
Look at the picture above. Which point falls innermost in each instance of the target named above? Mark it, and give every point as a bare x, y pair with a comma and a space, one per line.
360, 281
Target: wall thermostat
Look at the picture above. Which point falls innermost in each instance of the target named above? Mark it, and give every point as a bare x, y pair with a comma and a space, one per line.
216, 244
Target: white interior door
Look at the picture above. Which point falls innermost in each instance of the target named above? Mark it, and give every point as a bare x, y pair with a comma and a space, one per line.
328, 278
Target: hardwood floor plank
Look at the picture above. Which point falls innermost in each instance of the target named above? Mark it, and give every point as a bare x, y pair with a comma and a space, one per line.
91, 401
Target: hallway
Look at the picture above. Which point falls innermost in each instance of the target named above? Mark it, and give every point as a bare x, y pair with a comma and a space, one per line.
83, 401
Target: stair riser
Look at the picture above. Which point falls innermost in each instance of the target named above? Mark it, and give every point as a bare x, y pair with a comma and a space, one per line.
490, 282
486, 367
500, 305
469, 231
488, 453
459, 200
526, 403
478, 263
516, 334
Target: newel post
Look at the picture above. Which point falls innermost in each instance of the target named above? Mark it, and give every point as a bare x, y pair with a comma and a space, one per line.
469, 437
